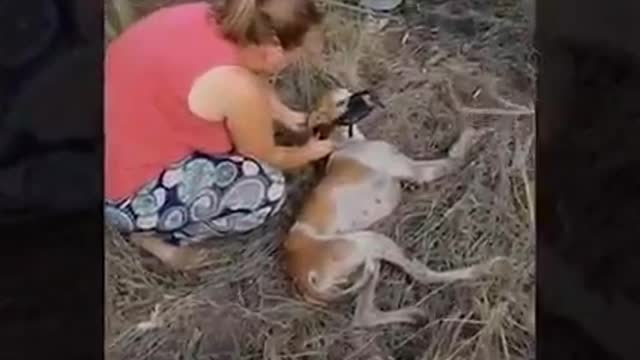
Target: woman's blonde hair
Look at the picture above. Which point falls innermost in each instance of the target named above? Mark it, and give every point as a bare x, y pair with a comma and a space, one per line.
263, 21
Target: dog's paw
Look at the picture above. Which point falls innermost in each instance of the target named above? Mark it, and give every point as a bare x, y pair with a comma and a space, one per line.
449, 167
408, 315
499, 266
415, 315
468, 138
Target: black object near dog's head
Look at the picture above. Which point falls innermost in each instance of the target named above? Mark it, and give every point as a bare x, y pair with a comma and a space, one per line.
359, 106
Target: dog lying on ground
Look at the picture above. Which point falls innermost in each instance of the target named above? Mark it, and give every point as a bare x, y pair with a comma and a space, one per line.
329, 243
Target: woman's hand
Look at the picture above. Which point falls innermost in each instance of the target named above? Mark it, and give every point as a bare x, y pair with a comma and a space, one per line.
317, 149
293, 120
243, 100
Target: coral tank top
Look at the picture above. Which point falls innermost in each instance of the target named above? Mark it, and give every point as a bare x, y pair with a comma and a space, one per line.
149, 71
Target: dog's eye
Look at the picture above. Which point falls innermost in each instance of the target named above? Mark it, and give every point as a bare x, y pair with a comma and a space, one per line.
342, 103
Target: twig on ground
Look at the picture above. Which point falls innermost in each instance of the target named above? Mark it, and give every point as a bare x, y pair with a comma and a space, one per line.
124, 10
520, 162
110, 31
517, 110
154, 320
355, 8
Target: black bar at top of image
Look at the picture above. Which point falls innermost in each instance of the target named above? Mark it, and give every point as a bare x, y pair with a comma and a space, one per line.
588, 179
51, 262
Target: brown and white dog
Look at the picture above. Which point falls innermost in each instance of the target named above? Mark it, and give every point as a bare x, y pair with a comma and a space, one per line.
329, 244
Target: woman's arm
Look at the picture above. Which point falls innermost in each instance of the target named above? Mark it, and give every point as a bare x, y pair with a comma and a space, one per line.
293, 120
245, 102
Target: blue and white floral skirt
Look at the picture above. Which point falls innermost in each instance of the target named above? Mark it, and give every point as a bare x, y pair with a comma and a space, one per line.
202, 197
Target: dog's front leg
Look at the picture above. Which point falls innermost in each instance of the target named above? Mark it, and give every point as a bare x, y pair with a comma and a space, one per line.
430, 170
402, 167
368, 315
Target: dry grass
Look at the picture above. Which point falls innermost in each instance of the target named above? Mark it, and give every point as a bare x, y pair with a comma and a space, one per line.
242, 308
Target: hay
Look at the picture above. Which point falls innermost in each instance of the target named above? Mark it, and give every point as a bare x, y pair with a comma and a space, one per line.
242, 308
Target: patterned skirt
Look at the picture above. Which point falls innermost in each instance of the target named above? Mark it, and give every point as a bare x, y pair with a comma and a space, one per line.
200, 197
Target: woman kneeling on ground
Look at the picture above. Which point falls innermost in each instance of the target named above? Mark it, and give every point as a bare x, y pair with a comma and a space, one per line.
190, 150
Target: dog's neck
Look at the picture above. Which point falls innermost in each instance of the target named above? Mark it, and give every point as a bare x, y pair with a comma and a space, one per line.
304, 228
308, 230
340, 136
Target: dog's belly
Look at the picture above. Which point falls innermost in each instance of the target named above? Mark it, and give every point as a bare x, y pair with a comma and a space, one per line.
376, 155
359, 206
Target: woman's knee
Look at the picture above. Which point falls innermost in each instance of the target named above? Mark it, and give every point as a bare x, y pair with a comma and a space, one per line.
118, 218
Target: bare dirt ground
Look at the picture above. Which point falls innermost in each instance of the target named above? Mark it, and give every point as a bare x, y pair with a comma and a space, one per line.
438, 66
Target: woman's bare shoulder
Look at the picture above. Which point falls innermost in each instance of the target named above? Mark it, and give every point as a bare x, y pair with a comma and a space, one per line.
220, 87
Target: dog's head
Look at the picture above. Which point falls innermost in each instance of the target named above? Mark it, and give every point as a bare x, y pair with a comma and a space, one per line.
329, 108
341, 107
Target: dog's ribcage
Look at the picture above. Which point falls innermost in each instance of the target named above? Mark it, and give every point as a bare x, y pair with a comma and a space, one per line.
360, 205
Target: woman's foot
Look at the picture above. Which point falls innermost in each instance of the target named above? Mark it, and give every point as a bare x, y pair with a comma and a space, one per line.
180, 258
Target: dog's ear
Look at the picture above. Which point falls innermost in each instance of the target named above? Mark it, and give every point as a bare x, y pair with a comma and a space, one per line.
319, 117
340, 99
331, 106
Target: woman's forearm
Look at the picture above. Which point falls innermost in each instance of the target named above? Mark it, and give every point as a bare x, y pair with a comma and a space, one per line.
283, 114
288, 157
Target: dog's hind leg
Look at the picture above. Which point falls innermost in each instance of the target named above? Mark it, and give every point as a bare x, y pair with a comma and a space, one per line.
380, 247
368, 315
377, 247
462, 146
